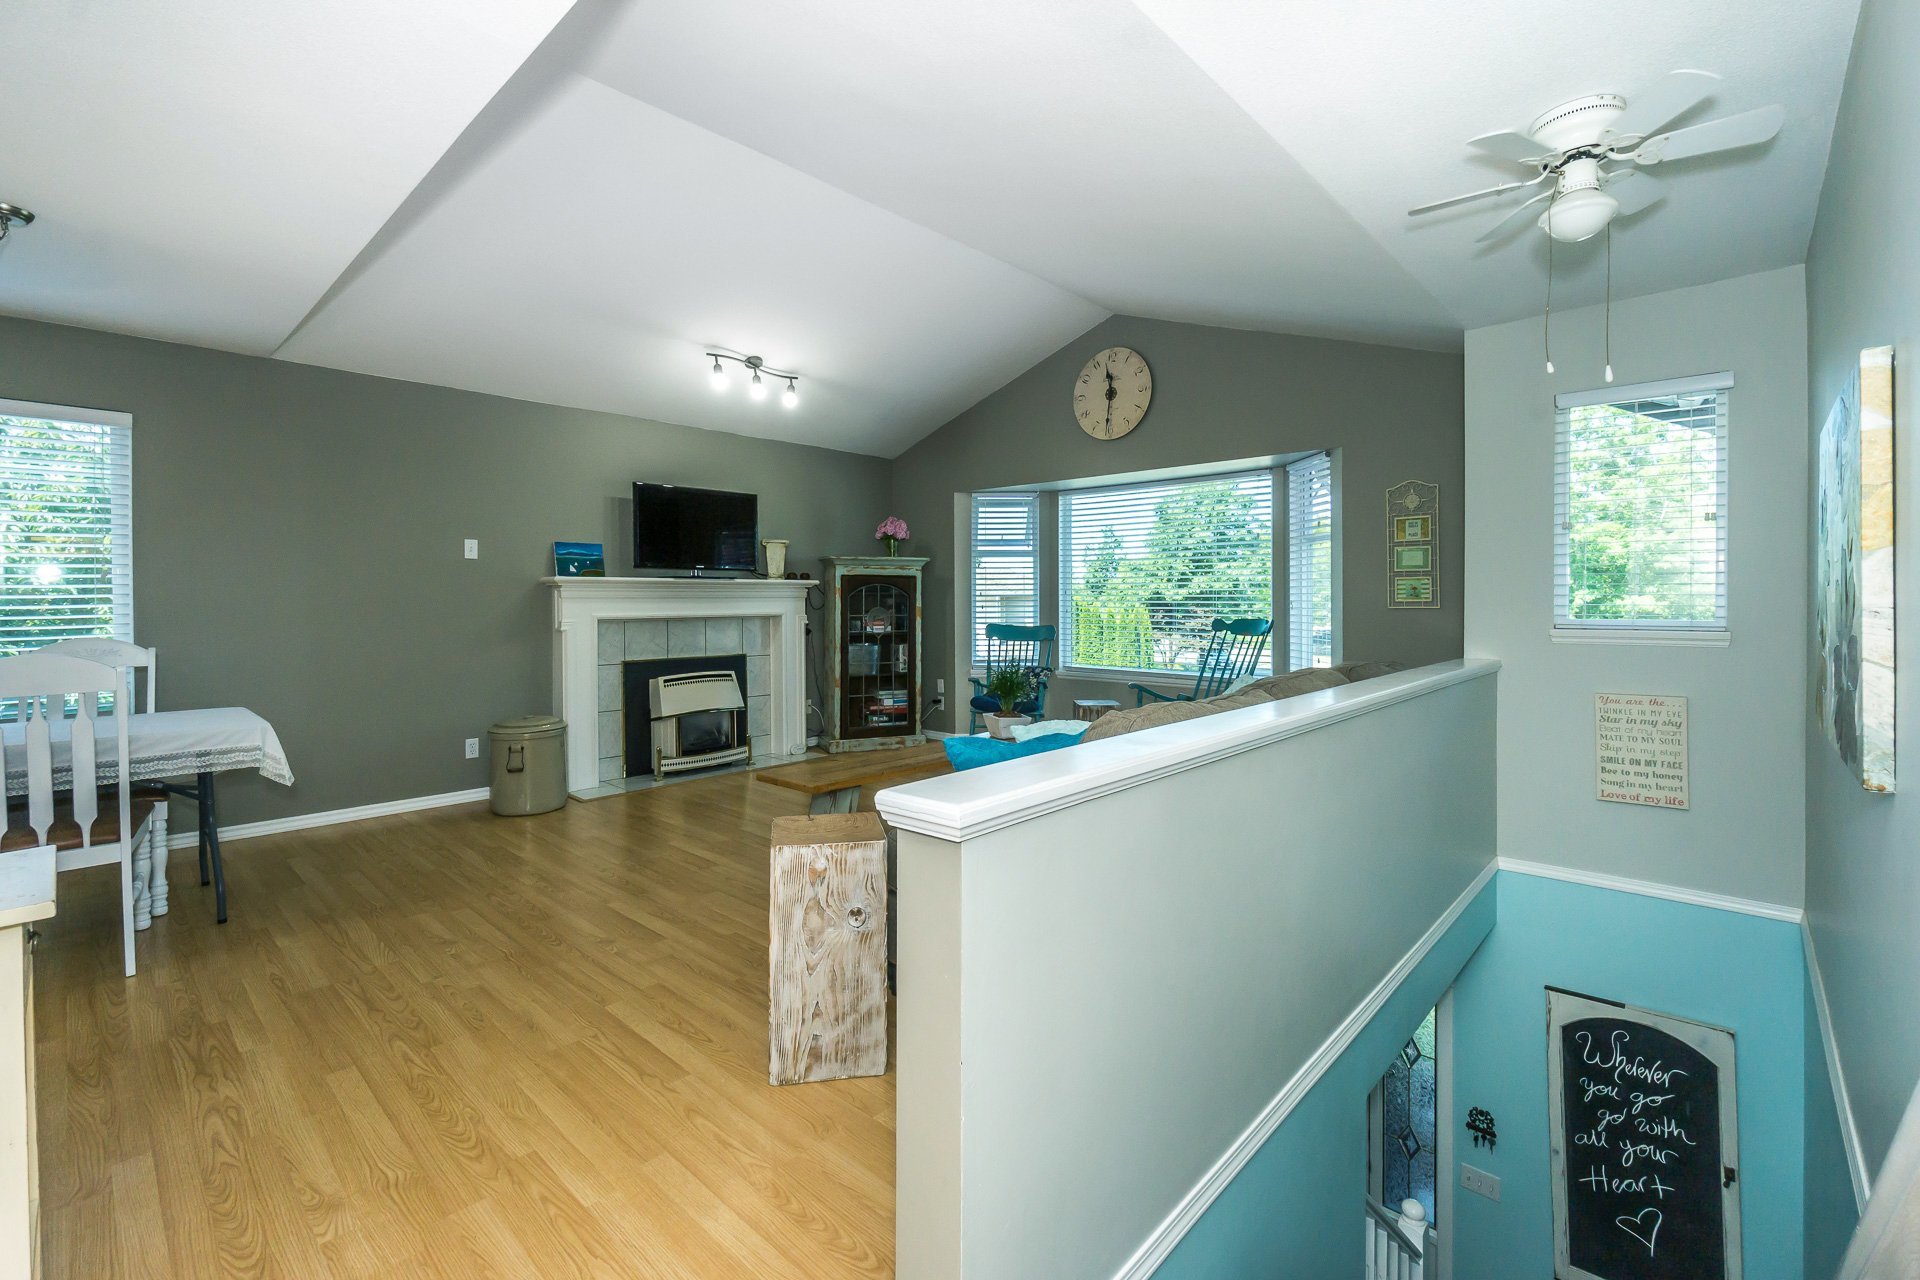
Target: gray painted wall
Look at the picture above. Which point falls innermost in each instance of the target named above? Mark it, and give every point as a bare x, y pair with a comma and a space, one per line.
1743, 834
1219, 395
1863, 852
297, 543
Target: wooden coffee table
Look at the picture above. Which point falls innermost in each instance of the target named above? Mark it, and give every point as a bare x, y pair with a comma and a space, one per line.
832, 783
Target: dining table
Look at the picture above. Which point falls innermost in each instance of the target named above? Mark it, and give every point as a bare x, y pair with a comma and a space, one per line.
164, 747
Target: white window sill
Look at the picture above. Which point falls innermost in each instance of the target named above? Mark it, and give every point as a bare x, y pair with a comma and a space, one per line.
1117, 675
1716, 639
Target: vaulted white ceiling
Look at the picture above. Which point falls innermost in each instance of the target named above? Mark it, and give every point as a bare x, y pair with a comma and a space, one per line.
908, 202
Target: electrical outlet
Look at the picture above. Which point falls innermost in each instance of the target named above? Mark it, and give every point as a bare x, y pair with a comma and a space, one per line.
473, 748
939, 702
1480, 1182
473, 548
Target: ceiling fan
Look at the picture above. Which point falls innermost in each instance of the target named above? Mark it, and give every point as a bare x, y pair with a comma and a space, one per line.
1571, 144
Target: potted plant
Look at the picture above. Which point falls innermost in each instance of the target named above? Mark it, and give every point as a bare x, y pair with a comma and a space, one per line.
1014, 688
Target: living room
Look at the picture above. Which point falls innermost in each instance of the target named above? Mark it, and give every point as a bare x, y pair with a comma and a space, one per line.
399, 352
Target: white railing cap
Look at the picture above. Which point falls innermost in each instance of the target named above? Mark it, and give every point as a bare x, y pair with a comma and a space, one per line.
961, 806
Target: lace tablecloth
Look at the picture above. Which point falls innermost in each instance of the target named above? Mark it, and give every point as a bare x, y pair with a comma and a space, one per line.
165, 744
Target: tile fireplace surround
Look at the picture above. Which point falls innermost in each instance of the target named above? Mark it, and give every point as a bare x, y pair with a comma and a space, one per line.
599, 623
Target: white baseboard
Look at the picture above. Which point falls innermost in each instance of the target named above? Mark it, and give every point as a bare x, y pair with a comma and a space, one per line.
1653, 889
1148, 1257
1842, 1101
187, 839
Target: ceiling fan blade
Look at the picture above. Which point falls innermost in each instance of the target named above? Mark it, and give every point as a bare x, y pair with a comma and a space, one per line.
1663, 102
1633, 189
1508, 145
1743, 130
1519, 215
1477, 195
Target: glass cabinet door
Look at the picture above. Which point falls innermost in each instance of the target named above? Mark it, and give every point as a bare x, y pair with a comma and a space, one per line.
876, 638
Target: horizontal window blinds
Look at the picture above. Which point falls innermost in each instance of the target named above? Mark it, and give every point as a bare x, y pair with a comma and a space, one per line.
66, 526
1144, 569
1640, 509
1310, 562
1005, 584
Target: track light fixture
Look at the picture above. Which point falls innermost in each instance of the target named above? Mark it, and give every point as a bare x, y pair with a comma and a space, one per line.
756, 386
10, 214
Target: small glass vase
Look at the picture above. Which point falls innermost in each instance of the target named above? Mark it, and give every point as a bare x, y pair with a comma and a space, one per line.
893, 546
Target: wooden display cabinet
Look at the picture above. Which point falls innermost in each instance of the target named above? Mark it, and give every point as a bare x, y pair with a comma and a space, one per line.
873, 646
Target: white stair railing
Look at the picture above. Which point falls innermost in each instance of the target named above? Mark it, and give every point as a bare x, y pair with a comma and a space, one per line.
1396, 1244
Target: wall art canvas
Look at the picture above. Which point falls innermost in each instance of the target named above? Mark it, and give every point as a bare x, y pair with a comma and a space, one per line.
1853, 572
579, 560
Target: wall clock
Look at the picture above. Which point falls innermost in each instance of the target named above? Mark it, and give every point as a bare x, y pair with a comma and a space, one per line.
1111, 394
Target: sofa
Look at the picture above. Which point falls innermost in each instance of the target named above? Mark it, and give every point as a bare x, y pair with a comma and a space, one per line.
1272, 688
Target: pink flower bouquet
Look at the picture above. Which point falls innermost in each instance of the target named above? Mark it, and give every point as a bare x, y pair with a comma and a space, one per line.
891, 530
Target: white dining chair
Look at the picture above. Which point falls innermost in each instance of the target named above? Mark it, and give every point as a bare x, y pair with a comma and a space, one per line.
133, 660
139, 666
55, 696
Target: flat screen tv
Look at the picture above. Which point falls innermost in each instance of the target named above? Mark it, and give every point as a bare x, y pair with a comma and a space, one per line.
679, 528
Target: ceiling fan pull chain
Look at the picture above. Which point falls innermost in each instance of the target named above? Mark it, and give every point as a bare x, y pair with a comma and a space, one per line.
1609, 302
1546, 325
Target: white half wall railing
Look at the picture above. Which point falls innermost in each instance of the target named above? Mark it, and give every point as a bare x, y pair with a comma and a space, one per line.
1118, 961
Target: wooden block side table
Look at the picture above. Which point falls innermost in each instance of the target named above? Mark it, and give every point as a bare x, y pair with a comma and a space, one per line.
1091, 709
827, 958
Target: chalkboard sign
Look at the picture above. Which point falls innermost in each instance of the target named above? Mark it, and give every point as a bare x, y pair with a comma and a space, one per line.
1645, 1144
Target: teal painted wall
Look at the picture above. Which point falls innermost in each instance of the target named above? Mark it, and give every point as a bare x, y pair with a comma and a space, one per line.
1295, 1209
1741, 972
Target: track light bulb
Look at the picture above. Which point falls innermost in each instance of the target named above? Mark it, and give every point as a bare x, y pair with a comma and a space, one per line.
757, 389
719, 376
790, 398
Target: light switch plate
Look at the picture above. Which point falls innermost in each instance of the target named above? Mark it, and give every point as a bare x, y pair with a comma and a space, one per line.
1480, 1182
473, 548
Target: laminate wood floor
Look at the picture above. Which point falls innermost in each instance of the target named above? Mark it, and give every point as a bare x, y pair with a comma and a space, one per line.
451, 1045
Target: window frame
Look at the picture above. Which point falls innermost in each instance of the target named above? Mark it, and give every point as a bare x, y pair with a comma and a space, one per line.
120, 515
1063, 574
976, 656
1641, 631
1296, 581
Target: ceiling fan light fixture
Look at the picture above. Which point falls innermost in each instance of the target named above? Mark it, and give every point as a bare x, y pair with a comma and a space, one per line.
1579, 215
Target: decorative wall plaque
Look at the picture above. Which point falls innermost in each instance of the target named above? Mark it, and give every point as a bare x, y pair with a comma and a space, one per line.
1640, 749
1413, 545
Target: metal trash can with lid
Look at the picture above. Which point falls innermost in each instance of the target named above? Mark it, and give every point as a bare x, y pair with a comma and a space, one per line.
529, 773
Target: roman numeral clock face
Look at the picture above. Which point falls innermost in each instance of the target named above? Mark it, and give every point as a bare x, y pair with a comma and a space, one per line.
1111, 394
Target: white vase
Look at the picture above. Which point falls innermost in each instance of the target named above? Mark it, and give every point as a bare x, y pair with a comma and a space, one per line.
1002, 726
776, 556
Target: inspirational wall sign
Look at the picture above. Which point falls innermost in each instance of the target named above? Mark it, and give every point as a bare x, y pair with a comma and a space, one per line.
1640, 749
1644, 1143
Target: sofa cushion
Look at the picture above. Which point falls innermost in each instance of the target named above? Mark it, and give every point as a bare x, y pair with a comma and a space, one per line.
971, 753
1291, 684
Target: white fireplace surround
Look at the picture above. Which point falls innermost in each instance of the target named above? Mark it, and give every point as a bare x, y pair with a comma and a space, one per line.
580, 605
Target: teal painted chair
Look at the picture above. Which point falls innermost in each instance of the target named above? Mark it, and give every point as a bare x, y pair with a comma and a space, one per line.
1234, 651
1014, 646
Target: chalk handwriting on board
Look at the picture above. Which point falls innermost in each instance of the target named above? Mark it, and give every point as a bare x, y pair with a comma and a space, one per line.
1643, 1170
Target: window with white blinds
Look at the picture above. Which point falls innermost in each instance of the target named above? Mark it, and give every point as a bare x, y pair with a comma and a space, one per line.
1005, 577
1640, 509
66, 525
1310, 562
1145, 568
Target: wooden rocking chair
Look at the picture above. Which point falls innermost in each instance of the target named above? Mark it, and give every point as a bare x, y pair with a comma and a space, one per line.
1234, 651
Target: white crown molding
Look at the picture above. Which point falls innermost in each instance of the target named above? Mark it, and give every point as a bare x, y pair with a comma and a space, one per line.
1148, 1257
963, 806
1842, 1100
1653, 889
329, 817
